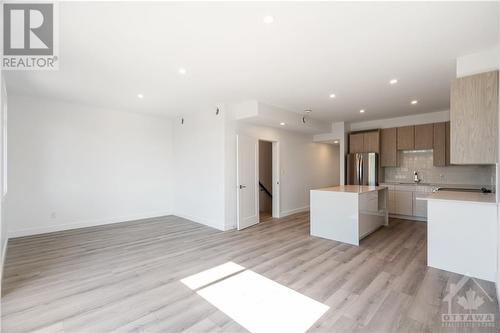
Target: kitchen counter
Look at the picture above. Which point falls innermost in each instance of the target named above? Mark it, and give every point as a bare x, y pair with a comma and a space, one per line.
464, 186
477, 197
351, 189
456, 219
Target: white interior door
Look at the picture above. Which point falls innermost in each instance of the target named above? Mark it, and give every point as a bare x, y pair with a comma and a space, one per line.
248, 181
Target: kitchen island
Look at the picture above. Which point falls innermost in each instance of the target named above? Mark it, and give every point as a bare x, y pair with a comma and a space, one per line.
347, 213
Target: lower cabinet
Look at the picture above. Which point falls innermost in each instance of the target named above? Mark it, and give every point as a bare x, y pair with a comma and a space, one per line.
420, 206
404, 202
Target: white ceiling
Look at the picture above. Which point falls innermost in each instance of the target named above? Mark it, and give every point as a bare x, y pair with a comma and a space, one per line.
110, 52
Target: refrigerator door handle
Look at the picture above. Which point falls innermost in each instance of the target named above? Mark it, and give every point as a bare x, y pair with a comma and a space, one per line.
358, 163
361, 180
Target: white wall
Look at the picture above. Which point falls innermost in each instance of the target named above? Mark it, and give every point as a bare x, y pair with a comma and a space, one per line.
480, 62
339, 132
72, 165
3, 160
304, 165
199, 164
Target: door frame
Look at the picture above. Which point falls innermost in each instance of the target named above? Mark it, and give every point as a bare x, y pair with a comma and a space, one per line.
276, 179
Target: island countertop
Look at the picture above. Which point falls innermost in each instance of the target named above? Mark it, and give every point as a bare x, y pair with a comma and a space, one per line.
351, 188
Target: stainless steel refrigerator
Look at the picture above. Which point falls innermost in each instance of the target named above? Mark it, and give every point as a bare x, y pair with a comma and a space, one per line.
362, 169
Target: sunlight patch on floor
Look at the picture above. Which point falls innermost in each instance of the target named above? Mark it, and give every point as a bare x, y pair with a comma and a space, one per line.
254, 301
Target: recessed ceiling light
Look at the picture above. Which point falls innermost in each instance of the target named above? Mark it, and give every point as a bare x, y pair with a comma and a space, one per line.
282, 124
414, 102
268, 19
140, 96
362, 111
393, 81
332, 96
308, 111
336, 141
182, 71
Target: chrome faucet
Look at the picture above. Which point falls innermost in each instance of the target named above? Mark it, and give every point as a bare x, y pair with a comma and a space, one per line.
415, 177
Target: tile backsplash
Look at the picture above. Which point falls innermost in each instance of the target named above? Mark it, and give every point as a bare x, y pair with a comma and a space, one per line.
421, 161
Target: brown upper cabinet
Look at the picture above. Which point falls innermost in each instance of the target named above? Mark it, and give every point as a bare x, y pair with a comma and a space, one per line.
406, 138
388, 147
364, 142
423, 136
371, 142
356, 143
448, 148
441, 144
474, 119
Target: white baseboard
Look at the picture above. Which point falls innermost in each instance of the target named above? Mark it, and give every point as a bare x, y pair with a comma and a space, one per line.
82, 224
294, 211
201, 220
405, 217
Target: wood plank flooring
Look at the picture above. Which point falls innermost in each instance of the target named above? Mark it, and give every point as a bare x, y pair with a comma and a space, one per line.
125, 277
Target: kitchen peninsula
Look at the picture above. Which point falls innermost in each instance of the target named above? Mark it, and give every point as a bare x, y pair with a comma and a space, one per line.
347, 213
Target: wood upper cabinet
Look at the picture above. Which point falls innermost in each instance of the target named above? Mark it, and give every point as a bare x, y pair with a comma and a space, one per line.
474, 119
356, 141
439, 138
406, 138
364, 142
447, 143
371, 142
423, 136
388, 147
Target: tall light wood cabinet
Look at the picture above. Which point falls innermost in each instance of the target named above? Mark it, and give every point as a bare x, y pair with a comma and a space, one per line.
474, 119
406, 138
388, 147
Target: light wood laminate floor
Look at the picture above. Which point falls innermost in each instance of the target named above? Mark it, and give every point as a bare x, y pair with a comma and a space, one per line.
125, 277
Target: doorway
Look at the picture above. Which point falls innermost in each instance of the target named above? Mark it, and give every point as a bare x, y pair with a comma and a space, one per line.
265, 180
250, 192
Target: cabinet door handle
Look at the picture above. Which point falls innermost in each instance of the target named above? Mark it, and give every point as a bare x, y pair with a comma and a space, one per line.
242, 187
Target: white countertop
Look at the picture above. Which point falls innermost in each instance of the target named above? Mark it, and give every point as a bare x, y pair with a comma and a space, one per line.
351, 189
486, 198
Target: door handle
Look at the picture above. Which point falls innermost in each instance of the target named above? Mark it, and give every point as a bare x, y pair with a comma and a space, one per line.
242, 187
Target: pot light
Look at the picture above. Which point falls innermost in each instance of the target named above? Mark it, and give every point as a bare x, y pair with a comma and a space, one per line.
182, 71
414, 102
393, 81
268, 19
282, 124
332, 96
362, 111
336, 141
308, 111
140, 96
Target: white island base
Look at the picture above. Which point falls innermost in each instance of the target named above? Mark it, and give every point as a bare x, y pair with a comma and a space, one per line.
347, 213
